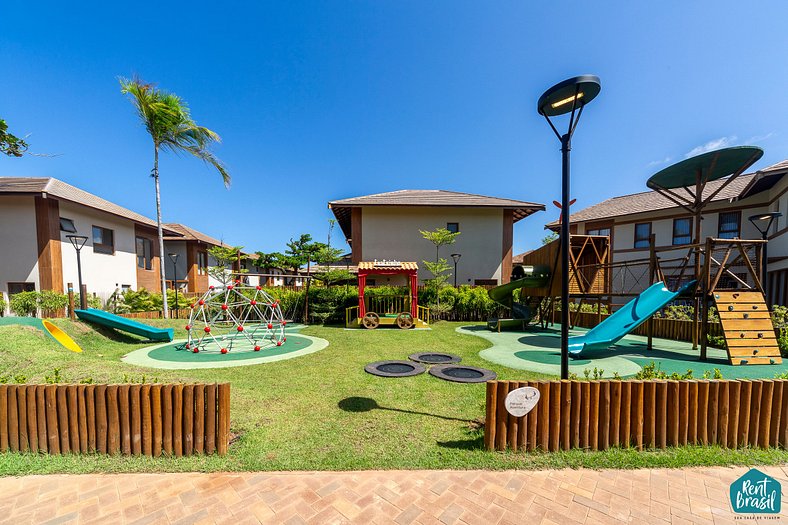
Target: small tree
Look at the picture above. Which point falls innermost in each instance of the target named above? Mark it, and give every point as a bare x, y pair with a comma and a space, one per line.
225, 257
11, 145
439, 237
550, 237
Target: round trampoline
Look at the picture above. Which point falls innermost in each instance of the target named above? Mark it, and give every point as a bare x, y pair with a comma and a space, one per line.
463, 374
394, 368
434, 358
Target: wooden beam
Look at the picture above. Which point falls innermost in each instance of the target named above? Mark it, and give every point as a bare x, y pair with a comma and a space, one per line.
506, 249
355, 236
50, 256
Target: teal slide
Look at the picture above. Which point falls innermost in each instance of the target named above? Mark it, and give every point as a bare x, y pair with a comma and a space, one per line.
117, 322
535, 277
630, 316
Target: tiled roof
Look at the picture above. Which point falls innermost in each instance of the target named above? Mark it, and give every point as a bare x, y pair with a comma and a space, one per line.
189, 234
58, 188
370, 265
518, 259
651, 201
429, 198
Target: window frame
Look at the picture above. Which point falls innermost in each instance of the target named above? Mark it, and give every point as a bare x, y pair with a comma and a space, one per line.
637, 239
103, 248
68, 222
689, 234
26, 287
148, 261
456, 224
720, 233
202, 263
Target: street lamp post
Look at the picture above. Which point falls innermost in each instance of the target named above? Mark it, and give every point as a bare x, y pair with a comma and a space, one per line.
78, 241
569, 96
456, 258
763, 222
174, 258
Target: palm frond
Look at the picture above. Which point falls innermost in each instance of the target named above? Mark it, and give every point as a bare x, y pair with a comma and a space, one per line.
209, 158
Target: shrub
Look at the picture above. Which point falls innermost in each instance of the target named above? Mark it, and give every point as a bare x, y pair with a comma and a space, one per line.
93, 301
25, 304
3, 305
51, 302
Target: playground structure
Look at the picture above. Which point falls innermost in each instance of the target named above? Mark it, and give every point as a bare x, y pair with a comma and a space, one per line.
102, 318
46, 326
390, 310
725, 273
234, 317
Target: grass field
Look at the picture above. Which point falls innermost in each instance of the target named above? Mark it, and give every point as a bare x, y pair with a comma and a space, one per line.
322, 411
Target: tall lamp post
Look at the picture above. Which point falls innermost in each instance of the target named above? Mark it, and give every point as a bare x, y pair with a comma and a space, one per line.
569, 96
763, 222
174, 258
78, 241
456, 258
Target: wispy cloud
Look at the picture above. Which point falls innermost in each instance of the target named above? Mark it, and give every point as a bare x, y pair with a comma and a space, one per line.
760, 138
658, 162
722, 142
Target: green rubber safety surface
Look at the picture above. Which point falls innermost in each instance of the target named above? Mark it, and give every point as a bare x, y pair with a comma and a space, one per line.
172, 356
538, 350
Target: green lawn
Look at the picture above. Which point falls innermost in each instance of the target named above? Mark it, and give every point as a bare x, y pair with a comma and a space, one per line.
322, 411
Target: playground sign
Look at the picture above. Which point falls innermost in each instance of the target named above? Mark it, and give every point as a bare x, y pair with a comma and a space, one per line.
521, 401
385, 263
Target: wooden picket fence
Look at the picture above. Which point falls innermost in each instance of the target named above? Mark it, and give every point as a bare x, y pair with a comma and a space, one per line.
174, 419
596, 415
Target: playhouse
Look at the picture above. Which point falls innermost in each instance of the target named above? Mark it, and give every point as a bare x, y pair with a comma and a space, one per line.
388, 310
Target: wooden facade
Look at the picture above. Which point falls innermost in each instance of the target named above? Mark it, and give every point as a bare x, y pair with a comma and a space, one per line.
149, 279
589, 265
50, 257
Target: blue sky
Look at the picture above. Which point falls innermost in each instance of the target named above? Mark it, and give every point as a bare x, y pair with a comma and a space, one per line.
324, 100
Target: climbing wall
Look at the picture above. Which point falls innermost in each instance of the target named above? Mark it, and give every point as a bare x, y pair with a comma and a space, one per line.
748, 329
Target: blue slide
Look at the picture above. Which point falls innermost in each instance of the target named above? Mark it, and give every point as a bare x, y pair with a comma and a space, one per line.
630, 316
117, 322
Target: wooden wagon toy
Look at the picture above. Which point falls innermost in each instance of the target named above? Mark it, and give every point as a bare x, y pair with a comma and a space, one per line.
402, 311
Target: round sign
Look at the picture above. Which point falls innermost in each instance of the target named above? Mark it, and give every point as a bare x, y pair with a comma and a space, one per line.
521, 401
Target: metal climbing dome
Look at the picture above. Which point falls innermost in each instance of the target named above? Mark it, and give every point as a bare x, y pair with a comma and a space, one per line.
235, 317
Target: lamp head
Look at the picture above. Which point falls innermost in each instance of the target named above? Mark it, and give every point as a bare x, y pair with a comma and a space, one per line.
763, 221
173, 257
78, 241
456, 256
573, 92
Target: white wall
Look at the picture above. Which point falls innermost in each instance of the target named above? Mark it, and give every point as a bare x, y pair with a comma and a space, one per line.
18, 245
101, 273
393, 233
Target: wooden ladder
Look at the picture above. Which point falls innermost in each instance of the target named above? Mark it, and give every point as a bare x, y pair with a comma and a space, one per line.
748, 329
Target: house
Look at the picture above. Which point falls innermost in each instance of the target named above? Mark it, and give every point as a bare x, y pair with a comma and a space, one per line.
386, 226
630, 220
189, 249
37, 215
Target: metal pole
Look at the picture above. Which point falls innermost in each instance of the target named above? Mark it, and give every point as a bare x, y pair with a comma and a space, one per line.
565, 148
455, 273
765, 266
175, 285
83, 300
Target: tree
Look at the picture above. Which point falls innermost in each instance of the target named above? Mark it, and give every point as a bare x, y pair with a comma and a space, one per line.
168, 121
226, 257
439, 237
550, 237
11, 145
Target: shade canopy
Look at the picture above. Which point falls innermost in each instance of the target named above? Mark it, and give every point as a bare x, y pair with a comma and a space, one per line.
706, 167
559, 99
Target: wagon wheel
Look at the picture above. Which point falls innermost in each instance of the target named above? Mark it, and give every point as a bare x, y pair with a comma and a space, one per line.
405, 320
370, 321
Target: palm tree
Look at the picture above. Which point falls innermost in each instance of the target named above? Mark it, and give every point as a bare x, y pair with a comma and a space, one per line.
166, 117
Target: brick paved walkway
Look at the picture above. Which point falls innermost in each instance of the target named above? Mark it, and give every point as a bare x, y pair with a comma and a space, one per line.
401, 497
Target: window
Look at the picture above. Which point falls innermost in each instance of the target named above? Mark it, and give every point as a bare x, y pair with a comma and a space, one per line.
67, 225
14, 288
729, 226
682, 231
202, 263
453, 227
642, 235
485, 282
144, 253
599, 231
103, 240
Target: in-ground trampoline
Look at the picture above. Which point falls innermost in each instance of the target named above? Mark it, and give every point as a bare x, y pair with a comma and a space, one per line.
434, 358
394, 368
463, 374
